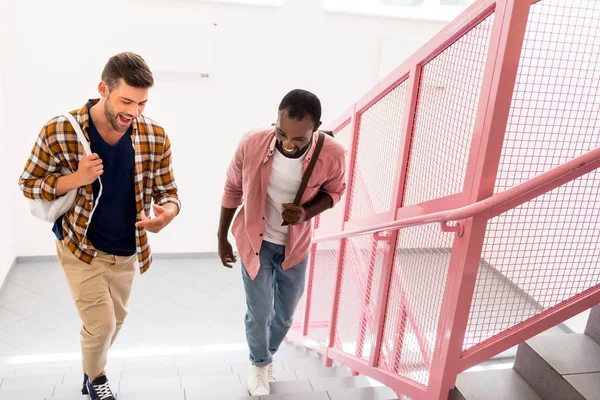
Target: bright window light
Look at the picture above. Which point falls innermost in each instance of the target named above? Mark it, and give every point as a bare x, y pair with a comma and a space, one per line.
427, 10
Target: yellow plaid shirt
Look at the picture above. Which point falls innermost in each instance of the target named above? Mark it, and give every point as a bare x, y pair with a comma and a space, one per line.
57, 147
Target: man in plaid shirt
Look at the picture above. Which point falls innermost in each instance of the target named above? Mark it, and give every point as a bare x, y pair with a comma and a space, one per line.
102, 239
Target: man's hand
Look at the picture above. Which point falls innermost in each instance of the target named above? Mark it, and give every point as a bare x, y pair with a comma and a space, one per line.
293, 214
163, 217
226, 253
89, 169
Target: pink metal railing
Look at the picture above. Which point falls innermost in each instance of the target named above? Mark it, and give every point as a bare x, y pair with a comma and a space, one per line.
471, 218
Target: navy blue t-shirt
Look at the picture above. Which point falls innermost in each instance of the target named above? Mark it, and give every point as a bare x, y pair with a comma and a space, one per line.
112, 228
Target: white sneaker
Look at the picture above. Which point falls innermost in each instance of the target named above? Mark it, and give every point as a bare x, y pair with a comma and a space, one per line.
258, 383
270, 373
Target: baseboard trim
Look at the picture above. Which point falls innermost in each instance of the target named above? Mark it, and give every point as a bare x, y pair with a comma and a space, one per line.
4, 280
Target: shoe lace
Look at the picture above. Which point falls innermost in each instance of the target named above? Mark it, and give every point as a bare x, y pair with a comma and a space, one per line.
271, 373
104, 391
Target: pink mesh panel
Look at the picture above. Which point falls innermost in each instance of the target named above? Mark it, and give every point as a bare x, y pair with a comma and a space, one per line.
547, 250
322, 295
359, 291
416, 293
555, 111
446, 109
378, 144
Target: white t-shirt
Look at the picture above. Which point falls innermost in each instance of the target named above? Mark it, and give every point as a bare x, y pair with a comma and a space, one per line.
284, 182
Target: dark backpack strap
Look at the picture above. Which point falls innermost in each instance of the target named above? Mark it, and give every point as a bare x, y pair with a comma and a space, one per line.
309, 170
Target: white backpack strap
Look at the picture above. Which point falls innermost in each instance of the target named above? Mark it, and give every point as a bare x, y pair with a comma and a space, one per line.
79, 132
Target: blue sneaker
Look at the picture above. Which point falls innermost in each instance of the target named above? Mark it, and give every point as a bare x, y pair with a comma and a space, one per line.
99, 389
84, 388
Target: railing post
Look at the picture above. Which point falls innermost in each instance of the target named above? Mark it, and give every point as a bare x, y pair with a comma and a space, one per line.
500, 74
410, 106
354, 128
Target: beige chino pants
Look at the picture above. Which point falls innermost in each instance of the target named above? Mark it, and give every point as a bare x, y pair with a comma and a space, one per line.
101, 293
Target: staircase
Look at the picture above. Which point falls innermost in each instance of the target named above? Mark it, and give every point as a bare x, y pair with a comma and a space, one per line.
564, 367
300, 375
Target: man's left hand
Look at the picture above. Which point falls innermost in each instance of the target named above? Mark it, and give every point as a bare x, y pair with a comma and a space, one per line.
293, 214
163, 217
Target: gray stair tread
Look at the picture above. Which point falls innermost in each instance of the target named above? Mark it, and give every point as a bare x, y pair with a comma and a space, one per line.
26, 382
494, 385
206, 390
71, 390
297, 396
24, 395
243, 368
158, 395
345, 382
588, 385
187, 370
290, 387
321, 372
203, 395
593, 325
131, 373
149, 385
568, 354
299, 363
195, 381
367, 393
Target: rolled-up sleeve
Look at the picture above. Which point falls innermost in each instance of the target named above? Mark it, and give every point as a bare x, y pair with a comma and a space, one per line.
165, 189
41, 171
233, 195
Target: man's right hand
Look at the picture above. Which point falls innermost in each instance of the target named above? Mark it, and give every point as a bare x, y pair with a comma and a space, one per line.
89, 169
226, 253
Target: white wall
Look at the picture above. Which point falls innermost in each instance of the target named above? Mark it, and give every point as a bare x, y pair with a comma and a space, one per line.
7, 253
260, 54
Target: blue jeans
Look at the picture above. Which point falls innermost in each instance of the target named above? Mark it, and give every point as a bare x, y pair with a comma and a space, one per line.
271, 299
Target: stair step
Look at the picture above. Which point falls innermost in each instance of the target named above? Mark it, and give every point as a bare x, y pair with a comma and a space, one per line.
72, 390
367, 393
492, 385
593, 325
243, 368
33, 394
321, 372
197, 381
46, 383
210, 391
135, 373
155, 395
291, 387
345, 382
203, 370
586, 384
296, 396
568, 354
149, 385
546, 361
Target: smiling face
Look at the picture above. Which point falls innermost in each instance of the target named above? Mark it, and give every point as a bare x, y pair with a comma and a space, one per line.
293, 135
122, 104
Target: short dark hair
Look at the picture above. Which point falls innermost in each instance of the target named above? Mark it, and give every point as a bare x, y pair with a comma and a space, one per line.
130, 67
300, 102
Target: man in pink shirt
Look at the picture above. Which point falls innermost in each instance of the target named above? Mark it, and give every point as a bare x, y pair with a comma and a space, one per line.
272, 234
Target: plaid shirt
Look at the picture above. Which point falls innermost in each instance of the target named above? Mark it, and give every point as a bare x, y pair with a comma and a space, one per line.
57, 147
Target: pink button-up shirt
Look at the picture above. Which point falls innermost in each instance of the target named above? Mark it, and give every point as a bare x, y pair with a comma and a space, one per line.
247, 182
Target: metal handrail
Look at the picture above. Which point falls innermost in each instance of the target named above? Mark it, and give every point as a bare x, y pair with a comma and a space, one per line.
514, 196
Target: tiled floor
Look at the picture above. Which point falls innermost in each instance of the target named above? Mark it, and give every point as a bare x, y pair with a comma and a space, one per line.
186, 321
178, 303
